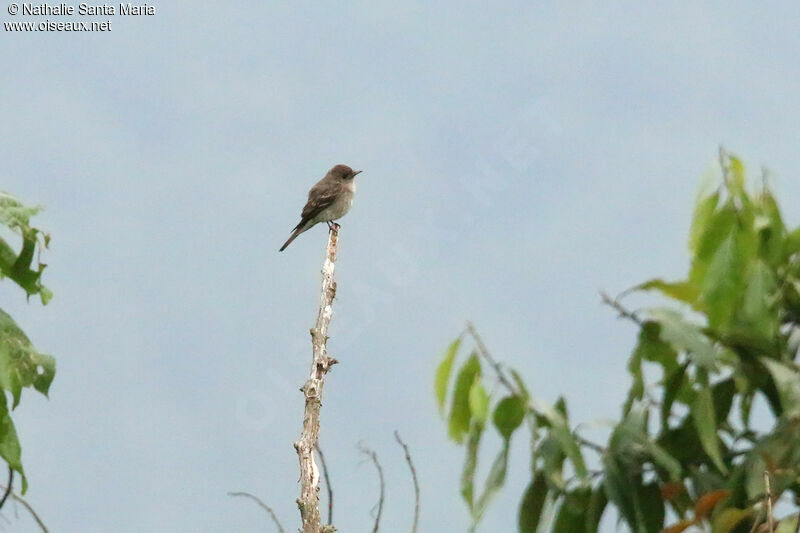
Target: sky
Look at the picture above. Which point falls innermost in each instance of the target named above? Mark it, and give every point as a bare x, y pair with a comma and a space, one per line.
518, 158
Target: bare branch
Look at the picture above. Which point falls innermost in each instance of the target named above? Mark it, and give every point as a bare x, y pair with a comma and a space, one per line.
29, 508
328, 485
413, 477
263, 506
312, 389
374, 457
8, 488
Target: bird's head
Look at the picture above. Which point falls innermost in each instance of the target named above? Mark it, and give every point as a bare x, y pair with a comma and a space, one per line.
343, 172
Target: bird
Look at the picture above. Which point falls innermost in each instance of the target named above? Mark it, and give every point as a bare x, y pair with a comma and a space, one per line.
329, 200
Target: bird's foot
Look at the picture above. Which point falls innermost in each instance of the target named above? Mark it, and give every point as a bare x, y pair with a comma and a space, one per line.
333, 225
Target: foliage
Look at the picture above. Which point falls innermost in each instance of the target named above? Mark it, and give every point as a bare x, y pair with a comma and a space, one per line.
21, 365
685, 452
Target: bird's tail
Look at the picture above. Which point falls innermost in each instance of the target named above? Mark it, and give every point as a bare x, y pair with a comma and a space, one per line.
297, 231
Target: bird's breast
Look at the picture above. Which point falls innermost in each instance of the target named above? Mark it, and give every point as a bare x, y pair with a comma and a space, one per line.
339, 207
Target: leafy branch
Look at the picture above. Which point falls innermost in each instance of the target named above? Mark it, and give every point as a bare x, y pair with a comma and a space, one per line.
729, 339
21, 365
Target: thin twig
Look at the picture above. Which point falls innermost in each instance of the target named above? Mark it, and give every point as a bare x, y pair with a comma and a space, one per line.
498, 368
589, 444
328, 485
374, 457
768, 497
263, 506
308, 503
619, 308
414, 477
8, 488
503, 379
30, 510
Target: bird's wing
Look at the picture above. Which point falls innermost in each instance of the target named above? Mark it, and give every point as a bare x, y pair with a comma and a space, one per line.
320, 197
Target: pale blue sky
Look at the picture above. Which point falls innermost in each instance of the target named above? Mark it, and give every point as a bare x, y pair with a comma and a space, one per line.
517, 158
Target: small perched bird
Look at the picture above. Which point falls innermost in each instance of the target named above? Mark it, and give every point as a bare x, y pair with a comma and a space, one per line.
328, 200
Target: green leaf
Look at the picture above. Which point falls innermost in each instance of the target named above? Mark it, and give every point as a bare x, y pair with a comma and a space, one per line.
45, 295
478, 402
623, 464
706, 424
460, 412
703, 210
754, 475
572, 514
18, 267
549, 450
682, 291
649, 508
724, 282
736, 176
508, 415
662, 458
10, 449
772, 233
630, 440
618, 487
597, 504
652, 348
787, 380
470, 465
20, 364
717, 228
530, 509
756, 312
792, 243
629, 431
443, 373
672, 385
723, 393
636, 392
683, 443
706, 481
649, 348
494, 482
563, 435
14, 215
683, 335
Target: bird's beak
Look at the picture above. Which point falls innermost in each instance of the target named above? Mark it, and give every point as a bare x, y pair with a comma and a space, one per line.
355, 172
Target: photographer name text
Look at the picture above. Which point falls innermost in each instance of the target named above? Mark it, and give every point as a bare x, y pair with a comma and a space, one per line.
84, 9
